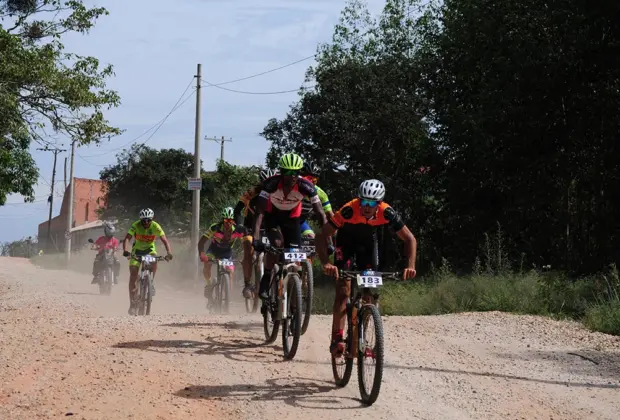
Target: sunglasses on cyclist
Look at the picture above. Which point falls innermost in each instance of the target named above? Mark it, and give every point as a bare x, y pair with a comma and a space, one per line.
146, 220
289, 172
369, 203
229, 220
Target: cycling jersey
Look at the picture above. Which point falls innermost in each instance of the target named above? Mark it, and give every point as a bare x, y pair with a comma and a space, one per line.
223, 239
306, 206
351, 214
247, 202
145, 238
103, 242
272, 191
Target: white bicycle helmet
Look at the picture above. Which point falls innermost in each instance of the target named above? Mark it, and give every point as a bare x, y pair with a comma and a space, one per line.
267, 173
371, 189
146, 214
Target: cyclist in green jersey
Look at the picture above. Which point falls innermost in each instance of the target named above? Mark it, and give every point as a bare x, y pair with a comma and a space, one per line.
311, 173
145, 231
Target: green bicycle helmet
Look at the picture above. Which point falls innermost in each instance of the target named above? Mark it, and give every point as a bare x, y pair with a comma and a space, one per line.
228, 213
291, 162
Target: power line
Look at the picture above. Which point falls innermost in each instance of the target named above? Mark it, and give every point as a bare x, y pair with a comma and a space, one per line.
161, 123
257, 93
176, 106
265, 72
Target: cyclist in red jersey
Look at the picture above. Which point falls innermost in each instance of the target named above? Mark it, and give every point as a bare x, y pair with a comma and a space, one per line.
356, 224
279, 204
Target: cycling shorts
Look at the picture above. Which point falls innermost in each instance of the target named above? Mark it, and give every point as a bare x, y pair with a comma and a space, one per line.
134, 263
280, 225
216, 252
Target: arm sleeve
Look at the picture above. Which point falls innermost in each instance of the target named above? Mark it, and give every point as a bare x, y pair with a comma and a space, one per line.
132, 230
159, 231
324, 199
395, 222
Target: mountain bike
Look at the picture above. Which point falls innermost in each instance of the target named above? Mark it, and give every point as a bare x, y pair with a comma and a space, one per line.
362, 310
145, 279
284, 304
307, 281
220, 297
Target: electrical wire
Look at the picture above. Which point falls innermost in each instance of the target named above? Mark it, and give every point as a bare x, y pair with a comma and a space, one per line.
263, 73
161, 123
176, 106
256, 93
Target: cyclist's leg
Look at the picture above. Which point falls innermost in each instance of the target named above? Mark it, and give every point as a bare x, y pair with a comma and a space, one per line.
248, 253
206, 272
275, 239
346, 246
95, 269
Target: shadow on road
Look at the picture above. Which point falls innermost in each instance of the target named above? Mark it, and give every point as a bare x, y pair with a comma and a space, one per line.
389, 366
233, 348
296, 392
246, 327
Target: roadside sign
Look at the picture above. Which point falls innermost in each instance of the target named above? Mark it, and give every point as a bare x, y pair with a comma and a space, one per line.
194, 184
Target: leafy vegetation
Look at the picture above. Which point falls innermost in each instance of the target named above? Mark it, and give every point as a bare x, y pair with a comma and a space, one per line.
44, 89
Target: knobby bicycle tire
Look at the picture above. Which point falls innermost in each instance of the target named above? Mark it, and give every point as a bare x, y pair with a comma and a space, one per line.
367, 312
272, 303
224, 293
307, 294
292, 324
343, 380
149, 292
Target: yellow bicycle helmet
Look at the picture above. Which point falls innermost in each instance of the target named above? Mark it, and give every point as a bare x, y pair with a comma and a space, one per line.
291, 162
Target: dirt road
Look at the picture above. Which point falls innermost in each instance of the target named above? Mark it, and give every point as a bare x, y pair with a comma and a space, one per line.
66, 351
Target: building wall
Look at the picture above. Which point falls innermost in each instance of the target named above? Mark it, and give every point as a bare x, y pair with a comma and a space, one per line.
88, 197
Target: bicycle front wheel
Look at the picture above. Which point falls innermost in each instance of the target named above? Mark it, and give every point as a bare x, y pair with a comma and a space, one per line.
149, 292
370, 375
271, 325
142, 292
291, 326
225, 292
342, 364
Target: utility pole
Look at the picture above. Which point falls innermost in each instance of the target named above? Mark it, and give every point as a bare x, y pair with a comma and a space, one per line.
65, 178
70, 210
196, 193
221, 142
48, 241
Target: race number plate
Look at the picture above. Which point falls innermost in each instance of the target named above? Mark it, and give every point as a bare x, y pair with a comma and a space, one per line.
369, 280
226, 263
148, 258
294, 255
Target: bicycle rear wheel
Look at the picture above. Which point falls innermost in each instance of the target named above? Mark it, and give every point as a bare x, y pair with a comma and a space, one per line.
270, 310
291, 326
369, 388
307, 291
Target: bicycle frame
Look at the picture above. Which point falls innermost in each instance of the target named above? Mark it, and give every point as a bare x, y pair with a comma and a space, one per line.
283, 272
363, 296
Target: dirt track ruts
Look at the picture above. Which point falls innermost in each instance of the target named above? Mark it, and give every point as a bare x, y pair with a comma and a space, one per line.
65, 349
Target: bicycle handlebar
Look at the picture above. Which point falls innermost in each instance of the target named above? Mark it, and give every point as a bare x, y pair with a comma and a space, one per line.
347, 274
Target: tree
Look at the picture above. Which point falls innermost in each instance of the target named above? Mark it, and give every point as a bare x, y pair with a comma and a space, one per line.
524, 99
24, 248
43, 87
145, 177
365, 119
223, 188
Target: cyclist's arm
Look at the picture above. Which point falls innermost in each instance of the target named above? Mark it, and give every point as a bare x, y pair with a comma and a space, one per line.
238, 212
310, 190
321, 245
201, 244
261, 205
166, 243
396, 223
126, 241
327, 206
